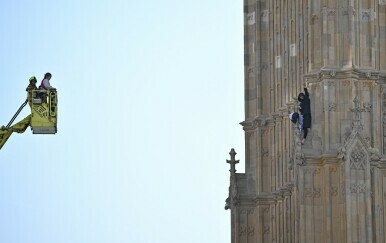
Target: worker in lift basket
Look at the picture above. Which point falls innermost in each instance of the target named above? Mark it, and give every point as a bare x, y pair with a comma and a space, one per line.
45, 85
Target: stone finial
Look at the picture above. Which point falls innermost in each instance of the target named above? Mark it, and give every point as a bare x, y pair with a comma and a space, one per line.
233, 160
233, 198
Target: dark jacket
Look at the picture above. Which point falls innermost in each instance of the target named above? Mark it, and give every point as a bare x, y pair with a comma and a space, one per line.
305, 104
305, 108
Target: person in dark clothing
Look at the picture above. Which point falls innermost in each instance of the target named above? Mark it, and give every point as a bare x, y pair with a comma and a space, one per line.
305, 110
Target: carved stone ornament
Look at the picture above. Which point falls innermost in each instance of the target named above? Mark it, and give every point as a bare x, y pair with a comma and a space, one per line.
367, 107
342, 153
333, 191
233, 197
332, 106
314, 18
367, 15
358, 188
246, 230
312, 192
357, 110
357, 159
374, 154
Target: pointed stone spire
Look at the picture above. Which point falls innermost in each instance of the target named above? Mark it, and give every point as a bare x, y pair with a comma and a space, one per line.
233, 198
233, 161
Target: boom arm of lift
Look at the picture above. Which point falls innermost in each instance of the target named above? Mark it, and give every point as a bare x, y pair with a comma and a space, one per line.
42, 120
19, 127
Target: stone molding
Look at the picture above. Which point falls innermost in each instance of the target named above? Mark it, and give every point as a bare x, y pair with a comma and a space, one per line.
332, 73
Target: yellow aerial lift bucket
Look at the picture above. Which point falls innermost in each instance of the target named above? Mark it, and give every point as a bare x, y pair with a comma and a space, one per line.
44, 108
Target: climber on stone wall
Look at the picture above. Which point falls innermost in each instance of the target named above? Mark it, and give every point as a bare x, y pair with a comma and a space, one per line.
297, 118
305, 110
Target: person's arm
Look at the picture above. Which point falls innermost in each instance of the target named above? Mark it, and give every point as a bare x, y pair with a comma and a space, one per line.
306, 92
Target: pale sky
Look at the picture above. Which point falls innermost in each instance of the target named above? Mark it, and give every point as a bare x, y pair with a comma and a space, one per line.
150, 99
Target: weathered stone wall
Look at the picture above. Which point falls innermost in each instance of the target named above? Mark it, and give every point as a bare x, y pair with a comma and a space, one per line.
332, 188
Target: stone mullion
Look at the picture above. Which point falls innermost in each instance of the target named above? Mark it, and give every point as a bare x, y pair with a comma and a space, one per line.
252, 159
259, 236
367, 114
266, 224
277, 151
307, 57
376, 114
316, 224
309, 37
259, 158
325, 31
235, 225
275, 39
355, 30
333, 115
383, 202
290, 171
362, 28
328, 205
265, 57
281, 152
332, 24
295, 49
272, 161
302, 207
277, 155
377, 232
351, 37
325, 95
374, 37
345, 55
335, 193
286, 79
381, 16
315, 36
249, 60
295, 215
367, 199
343, 199
278, 221
383, 119
272, 67
268, 167
243, 224
257, 69
286, 217
279, 64
283, 157
283, 54
301, 37
284, 153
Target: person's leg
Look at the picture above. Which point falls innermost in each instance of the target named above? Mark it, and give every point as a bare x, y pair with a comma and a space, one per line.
305, 133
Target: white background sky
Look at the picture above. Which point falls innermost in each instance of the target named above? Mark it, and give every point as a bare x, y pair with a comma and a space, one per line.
150, 97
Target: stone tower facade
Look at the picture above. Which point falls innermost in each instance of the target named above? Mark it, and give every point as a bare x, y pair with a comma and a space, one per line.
332, 188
